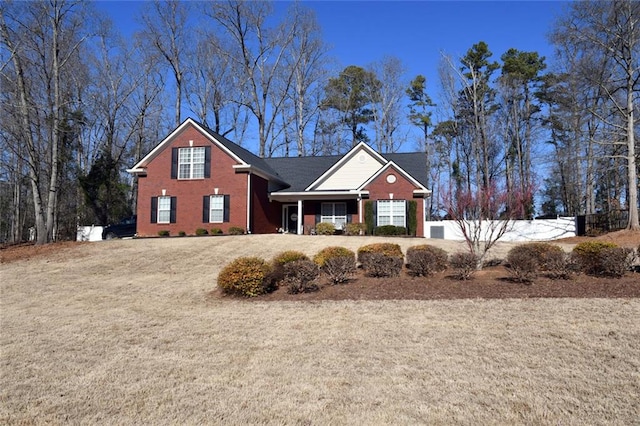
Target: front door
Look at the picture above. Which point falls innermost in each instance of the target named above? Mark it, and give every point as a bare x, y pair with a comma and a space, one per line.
290, 218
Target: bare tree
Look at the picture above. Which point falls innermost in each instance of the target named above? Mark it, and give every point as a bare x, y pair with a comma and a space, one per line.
480, 216
307, 60
609, 32
386, 102
520, 112
166, 32
43, 40
258, 53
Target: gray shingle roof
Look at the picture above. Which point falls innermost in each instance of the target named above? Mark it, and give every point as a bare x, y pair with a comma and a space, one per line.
245, 155
413, 163
300, 172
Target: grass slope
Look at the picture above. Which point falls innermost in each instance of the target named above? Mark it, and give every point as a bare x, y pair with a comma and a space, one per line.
122, 332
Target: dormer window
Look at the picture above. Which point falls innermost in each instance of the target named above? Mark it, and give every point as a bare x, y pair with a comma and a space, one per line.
191, 163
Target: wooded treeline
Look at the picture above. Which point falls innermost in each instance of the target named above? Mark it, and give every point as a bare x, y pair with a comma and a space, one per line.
518, 135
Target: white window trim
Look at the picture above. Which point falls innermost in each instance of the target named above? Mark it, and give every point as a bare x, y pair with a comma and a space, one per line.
167, 209
211, 209
391, 215
191, 163
333, 218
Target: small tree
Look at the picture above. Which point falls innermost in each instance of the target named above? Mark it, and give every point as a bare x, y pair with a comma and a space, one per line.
483, 216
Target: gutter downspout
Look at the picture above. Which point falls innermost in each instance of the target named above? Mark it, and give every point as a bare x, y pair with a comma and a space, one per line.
300, 218
249, 202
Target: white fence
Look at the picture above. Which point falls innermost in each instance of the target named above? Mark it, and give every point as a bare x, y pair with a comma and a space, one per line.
89, 233
519, 230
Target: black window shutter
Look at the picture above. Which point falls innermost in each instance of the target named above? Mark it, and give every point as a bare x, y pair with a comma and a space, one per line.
318, 212
375, 213
172, 217
207, 161
174, 163
227, 208
154, 209
205, 208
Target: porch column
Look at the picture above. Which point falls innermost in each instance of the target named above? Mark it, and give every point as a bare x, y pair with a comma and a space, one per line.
300, 219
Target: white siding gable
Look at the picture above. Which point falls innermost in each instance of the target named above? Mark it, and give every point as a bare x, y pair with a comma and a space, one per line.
352, 173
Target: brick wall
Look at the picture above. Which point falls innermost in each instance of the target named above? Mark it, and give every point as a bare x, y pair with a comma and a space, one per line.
189, 193
402, 189
266, 215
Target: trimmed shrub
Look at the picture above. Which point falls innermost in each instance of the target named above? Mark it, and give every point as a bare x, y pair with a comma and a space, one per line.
425, 260
279, 262
542, 253
354, 229
560, 265
288, 256
201, 232
245, 276
215, 231
615, 261
464, 264
381, 265
523, 264
381, 259
325, 228
389, 249
236, 230
300, 276
390, 230
182, 234
329, 252
340, 268
163, 233
587, 255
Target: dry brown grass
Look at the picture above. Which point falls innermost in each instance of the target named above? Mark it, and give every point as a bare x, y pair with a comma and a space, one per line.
122, 332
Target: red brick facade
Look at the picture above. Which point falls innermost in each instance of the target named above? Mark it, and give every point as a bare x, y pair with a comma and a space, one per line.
245, 181
189, 192
402, 189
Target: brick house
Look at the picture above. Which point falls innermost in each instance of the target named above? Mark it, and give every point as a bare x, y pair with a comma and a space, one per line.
196, 178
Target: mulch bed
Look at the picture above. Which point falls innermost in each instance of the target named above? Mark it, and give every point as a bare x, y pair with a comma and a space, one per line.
490, 283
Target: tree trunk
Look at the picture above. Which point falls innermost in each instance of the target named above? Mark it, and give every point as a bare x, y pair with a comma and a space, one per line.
634, 223
32, 155
55, 134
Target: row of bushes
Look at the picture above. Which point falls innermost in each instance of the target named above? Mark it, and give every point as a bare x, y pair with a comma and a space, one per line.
326, 228
252, 276
234, 230
598, 258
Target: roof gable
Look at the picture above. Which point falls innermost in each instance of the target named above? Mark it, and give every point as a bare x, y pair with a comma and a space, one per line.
391, 165
351, 171
243, 157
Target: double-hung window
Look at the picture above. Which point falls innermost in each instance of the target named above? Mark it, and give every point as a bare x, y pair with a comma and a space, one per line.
164, 209
216, 209
191, 163
392, 212
335, 213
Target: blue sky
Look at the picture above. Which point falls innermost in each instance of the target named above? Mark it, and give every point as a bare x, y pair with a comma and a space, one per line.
417, 31
363, 32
